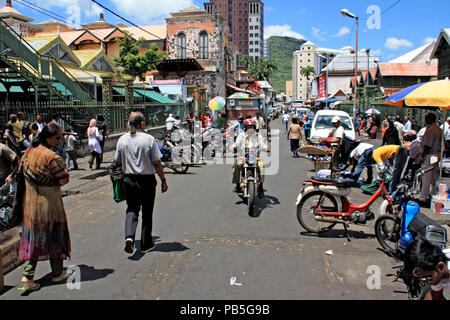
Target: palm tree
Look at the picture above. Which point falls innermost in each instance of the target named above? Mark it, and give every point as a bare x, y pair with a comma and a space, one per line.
307, 72
259, 69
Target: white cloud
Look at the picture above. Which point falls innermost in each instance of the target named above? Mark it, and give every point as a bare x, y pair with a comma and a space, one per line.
86, 7
145, 10
396, 44
375, 53
317, 33
281, 31
342, 32
428, 40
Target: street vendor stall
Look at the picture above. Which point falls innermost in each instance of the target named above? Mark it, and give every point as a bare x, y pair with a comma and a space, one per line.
320, 155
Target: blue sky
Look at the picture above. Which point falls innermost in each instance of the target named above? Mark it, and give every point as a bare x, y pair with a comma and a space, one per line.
408, 25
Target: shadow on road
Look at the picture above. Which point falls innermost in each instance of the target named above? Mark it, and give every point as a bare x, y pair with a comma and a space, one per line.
159, 246
87, 273
260, 204
339, 234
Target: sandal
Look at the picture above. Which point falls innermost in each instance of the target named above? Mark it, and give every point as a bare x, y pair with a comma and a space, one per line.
30, 287
63, 276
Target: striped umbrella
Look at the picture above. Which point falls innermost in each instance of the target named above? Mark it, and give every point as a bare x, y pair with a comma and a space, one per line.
427, 95
239, 95
217, 103
434, 94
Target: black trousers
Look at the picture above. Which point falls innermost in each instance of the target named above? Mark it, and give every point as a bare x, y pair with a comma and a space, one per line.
140, 191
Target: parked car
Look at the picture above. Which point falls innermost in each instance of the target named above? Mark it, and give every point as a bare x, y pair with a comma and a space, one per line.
322, 126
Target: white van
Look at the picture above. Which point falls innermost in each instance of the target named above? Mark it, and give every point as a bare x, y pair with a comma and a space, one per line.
322, 126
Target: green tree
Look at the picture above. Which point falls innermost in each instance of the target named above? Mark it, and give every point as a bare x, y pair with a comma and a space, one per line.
133, 63
307, 72
259, 69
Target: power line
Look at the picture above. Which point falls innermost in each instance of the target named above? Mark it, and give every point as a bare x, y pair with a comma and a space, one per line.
46, 12
135, 25
364, 19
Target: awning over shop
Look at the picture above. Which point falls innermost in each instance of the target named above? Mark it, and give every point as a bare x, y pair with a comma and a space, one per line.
181, 66
148, 94
154, 96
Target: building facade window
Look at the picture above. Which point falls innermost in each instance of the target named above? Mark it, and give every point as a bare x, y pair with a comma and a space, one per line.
203, 37
181, 45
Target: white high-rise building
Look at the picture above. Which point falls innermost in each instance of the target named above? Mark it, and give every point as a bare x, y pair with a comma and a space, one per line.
256, 29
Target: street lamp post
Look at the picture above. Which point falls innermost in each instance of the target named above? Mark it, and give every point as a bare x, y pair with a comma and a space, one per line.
346, 13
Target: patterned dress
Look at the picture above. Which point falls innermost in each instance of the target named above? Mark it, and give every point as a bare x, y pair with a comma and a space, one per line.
45, 233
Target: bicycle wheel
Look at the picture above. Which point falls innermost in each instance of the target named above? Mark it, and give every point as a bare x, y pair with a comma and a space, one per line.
307, 207
387, 231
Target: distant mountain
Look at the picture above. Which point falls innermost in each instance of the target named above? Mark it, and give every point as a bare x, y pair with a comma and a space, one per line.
281, 51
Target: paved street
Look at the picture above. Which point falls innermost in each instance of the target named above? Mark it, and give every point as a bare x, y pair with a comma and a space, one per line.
204, 237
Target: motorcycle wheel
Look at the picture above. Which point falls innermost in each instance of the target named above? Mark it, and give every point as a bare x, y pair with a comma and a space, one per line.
305, 214
251, 198
181, 169
387, 231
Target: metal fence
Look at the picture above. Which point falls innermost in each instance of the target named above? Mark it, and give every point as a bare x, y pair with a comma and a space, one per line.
78, 116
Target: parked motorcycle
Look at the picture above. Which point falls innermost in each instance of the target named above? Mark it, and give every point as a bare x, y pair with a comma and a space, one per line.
181, 163
322, 203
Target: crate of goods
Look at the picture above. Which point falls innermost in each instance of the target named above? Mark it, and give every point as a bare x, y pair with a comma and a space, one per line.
9, 250
320, 165
440, 205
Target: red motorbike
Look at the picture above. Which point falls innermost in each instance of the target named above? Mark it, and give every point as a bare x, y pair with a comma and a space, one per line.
322, 203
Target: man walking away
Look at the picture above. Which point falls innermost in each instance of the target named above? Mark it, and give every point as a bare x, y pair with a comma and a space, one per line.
69, 147
138, 155
408, 124
432, 140
286, 118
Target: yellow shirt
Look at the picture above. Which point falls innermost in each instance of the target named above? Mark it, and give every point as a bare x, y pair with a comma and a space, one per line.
385, 152
18, 126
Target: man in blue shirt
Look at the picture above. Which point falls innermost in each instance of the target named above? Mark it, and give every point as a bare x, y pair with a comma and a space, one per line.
307, 127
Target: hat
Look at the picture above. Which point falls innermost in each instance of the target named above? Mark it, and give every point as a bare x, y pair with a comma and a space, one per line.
335, 119
448, 118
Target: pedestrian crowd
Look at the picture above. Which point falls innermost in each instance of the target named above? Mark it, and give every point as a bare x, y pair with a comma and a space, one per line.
35, 157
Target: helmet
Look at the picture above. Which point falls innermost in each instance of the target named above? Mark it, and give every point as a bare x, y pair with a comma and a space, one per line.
249, 122
241, 118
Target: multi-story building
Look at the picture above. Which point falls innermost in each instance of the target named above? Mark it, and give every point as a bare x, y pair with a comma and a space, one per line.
245, 20
309, 55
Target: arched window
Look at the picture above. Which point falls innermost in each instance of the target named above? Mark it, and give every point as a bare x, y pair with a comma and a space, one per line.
181, 45
203, 37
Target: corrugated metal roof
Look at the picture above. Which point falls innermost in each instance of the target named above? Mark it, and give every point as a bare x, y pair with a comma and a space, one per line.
408, 69
346, 62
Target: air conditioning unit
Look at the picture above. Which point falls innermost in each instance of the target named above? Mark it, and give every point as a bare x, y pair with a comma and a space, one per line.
232, 103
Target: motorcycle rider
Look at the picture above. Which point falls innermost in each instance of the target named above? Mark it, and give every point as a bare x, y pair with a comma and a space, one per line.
240, 144
238, 127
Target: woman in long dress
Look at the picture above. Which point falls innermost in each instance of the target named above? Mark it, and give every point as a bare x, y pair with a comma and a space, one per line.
94, 144
45, 232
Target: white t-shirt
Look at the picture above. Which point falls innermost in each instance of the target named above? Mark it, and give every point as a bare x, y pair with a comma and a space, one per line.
432, 138
445, 283
170, 121
360, 149
286, 117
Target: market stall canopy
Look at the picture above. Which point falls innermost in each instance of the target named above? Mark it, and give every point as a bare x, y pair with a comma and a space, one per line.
234, 88
434, 94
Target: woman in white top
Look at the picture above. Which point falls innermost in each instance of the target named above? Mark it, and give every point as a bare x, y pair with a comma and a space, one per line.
94, 144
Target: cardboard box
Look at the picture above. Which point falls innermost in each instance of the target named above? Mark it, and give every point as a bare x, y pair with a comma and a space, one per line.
8, 235
440, 206
9, 253
2, 279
